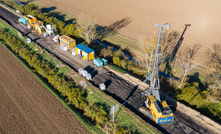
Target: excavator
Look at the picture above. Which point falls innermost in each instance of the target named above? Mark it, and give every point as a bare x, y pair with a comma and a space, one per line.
158, 110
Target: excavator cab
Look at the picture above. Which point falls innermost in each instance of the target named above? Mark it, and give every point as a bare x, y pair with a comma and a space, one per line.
160, 111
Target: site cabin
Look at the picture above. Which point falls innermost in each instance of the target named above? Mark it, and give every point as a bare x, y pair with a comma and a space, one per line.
84, 51
67, 42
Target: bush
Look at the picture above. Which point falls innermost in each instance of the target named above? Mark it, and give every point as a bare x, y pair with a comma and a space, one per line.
192, 95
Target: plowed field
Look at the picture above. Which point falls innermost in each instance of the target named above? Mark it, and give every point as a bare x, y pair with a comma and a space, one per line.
27, 106
135, 18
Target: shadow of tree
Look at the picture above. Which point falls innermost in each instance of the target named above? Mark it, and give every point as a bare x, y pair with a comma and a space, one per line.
179, 42
28, 1
111, 29
57, 15
168, 43
49, 9
195, 78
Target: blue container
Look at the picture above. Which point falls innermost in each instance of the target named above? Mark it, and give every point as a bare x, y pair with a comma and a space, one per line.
23, 20
98, 62
104, 61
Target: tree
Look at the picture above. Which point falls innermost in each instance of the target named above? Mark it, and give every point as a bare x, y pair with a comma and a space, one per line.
148, 47
70, 30
59, 27
214, 62
86, 28
185, 63
191, 94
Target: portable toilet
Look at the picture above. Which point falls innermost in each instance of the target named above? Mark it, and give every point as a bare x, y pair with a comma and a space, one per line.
66, 41
84, 51
98, 63
104, 61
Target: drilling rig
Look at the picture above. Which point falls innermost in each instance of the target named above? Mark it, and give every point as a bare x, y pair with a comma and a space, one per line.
158, 110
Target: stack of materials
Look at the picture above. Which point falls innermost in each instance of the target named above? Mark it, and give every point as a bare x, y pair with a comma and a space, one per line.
102, 86
28, 40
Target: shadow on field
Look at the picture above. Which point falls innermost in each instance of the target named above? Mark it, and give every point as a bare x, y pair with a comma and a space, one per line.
111, 29
179, 42
49, 9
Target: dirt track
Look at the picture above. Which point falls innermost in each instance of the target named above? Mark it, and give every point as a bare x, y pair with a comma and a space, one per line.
27, 106
135, 18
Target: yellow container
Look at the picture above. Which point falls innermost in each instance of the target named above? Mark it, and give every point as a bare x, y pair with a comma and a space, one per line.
67, 42
84, 51
30, 19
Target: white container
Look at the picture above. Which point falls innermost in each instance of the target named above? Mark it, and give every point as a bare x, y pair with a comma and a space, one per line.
48, 26
65, 48
56, 38
61, 47
84, 73
74, 53
17, 11
88, 76
81, 71
28, 40
102, 86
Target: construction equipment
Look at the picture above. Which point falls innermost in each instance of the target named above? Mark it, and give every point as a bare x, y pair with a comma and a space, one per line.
158, 110
28, 20
48, 30
37, 25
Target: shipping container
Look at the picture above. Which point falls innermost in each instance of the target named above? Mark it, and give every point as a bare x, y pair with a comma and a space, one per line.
84, 51
67, 41
24, 20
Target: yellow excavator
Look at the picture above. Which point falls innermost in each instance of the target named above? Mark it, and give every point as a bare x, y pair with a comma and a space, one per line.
158, 110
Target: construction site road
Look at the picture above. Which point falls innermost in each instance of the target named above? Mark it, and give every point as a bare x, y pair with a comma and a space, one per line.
117, 87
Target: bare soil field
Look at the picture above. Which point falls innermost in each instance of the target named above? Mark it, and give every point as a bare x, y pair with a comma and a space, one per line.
135, 18
27, 106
